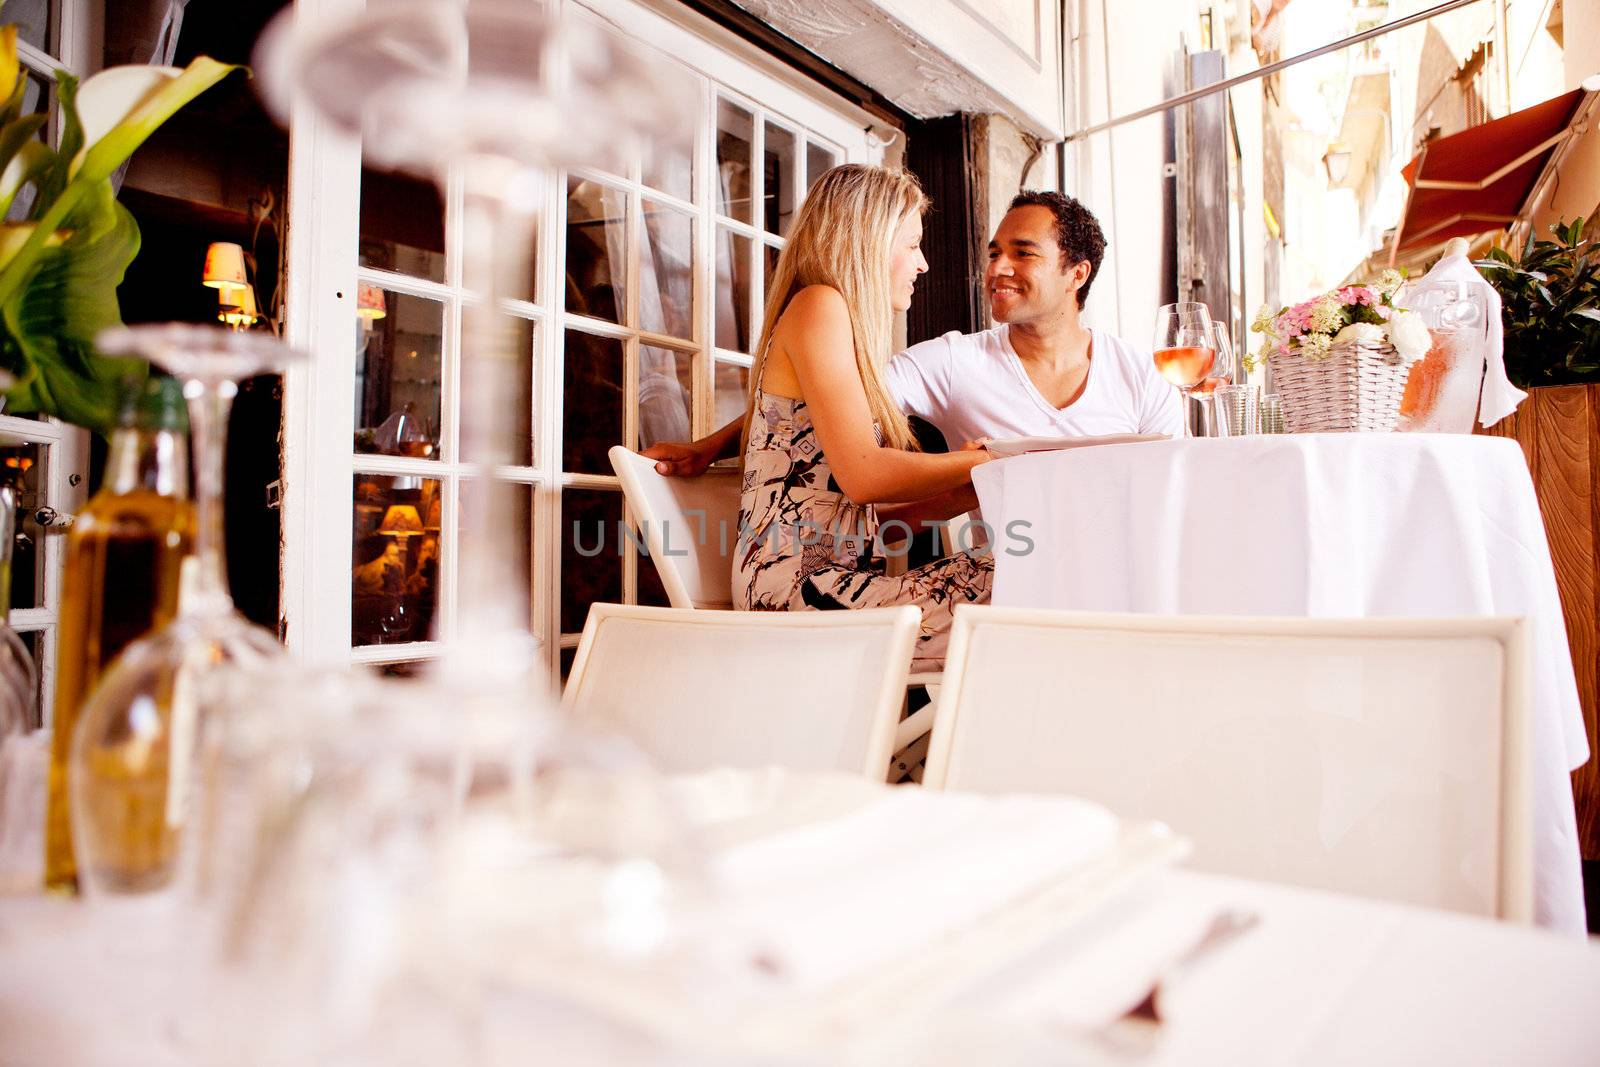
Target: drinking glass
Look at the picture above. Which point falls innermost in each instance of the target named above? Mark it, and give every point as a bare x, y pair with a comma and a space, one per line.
1185, 347
455, 814
133, 749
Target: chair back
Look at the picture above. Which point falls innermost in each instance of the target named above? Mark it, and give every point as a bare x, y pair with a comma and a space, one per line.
689, 526
1381, 757
808, 690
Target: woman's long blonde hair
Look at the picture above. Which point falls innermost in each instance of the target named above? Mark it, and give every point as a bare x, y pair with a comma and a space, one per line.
843, 237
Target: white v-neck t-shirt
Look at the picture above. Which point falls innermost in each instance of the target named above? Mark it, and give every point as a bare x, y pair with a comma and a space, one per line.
972, 385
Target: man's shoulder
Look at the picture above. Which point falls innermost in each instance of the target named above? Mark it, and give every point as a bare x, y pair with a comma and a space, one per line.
1121, 349
956, 346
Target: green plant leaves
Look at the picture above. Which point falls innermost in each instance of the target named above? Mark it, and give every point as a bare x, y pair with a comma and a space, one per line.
50, 325
1551, 307
59, 275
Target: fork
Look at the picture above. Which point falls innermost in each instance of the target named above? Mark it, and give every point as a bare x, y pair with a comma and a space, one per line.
1224, 927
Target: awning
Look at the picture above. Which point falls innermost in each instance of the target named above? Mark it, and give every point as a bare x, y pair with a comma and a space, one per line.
1479, 179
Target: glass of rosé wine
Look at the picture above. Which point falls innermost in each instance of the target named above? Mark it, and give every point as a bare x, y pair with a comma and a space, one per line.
1185, 348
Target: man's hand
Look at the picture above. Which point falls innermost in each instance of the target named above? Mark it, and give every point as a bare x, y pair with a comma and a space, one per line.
680, 460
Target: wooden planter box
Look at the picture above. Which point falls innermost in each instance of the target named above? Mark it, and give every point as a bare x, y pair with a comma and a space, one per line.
1558, 427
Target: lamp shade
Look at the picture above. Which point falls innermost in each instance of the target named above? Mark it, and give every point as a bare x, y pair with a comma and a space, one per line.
369, 302
401, 520
225, 266
238, 306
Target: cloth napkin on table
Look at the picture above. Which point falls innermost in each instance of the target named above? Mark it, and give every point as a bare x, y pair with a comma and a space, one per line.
834, 897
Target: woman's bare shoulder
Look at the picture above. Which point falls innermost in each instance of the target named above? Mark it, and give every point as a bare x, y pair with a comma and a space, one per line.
816, 308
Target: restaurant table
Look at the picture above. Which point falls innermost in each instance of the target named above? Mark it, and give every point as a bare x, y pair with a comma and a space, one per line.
1319, 525
1031, 975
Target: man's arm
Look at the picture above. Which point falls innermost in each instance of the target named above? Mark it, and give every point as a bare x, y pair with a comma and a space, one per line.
936, 508
689, 460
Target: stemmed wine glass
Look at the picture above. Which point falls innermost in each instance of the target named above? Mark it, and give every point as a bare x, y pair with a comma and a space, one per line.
132, 753
1185, 346
426, 797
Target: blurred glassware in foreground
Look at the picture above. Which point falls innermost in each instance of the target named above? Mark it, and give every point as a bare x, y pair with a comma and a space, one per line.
496, 91
131, 767
121, 577
388, 856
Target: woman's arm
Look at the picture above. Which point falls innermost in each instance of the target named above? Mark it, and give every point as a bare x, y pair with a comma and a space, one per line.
814, 334
936, 508
690, 460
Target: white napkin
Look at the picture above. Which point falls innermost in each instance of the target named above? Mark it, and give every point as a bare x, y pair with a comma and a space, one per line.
833, 898
1500, 398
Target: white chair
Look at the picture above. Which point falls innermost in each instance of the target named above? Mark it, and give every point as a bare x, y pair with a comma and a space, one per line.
809, 690
1380, 757
690, 526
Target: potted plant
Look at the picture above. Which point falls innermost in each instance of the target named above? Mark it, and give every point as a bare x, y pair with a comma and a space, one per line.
1550, 298
61, 264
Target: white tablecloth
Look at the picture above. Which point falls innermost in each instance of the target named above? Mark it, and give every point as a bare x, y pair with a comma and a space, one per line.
1321, 979
1326, 525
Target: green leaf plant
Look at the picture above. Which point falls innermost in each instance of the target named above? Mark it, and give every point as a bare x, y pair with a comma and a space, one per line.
60, 265
1550, 300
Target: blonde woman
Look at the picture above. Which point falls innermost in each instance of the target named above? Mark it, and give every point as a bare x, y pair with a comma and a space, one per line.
827, 450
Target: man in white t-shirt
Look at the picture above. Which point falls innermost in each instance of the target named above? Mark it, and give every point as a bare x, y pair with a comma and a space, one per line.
1041, 373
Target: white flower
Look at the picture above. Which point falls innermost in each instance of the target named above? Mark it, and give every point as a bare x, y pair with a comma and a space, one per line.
1327, 315
1370, 332
1409, 335
1389, 281
1263, 319
1315, 345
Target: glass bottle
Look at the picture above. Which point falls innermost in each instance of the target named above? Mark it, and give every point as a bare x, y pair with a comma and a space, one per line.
124, 556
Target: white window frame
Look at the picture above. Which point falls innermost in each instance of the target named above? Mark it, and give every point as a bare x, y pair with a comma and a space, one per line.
319, 396
63, 447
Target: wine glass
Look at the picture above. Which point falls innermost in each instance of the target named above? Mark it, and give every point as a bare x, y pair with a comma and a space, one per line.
132, 752
1185, 346
497, 91
435, 806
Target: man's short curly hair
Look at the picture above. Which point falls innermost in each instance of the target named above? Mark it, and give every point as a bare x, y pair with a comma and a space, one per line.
1077, 232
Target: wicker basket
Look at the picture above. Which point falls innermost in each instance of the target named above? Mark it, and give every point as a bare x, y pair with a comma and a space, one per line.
1356, 387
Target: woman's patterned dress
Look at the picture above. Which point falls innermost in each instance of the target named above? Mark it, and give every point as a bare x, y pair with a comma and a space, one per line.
803, 544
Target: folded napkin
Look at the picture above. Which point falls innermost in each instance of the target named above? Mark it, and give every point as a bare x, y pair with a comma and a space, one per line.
896, 874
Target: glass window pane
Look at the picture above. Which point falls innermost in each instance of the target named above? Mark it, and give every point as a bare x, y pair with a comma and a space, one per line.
35, 641
669, 168
666, 272
597, 235
592, 399
666, 384
769, 266
411, 668
520, 565
402, 225
733, 291
396, 551
778, 179
398, 361
567, 656
818, 159
731, 383
651, 591
591, 553
734, 135
35, 21
24, 469
38, 95
527, 346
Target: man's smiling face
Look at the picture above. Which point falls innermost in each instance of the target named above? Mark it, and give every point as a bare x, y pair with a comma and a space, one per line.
1025, 280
